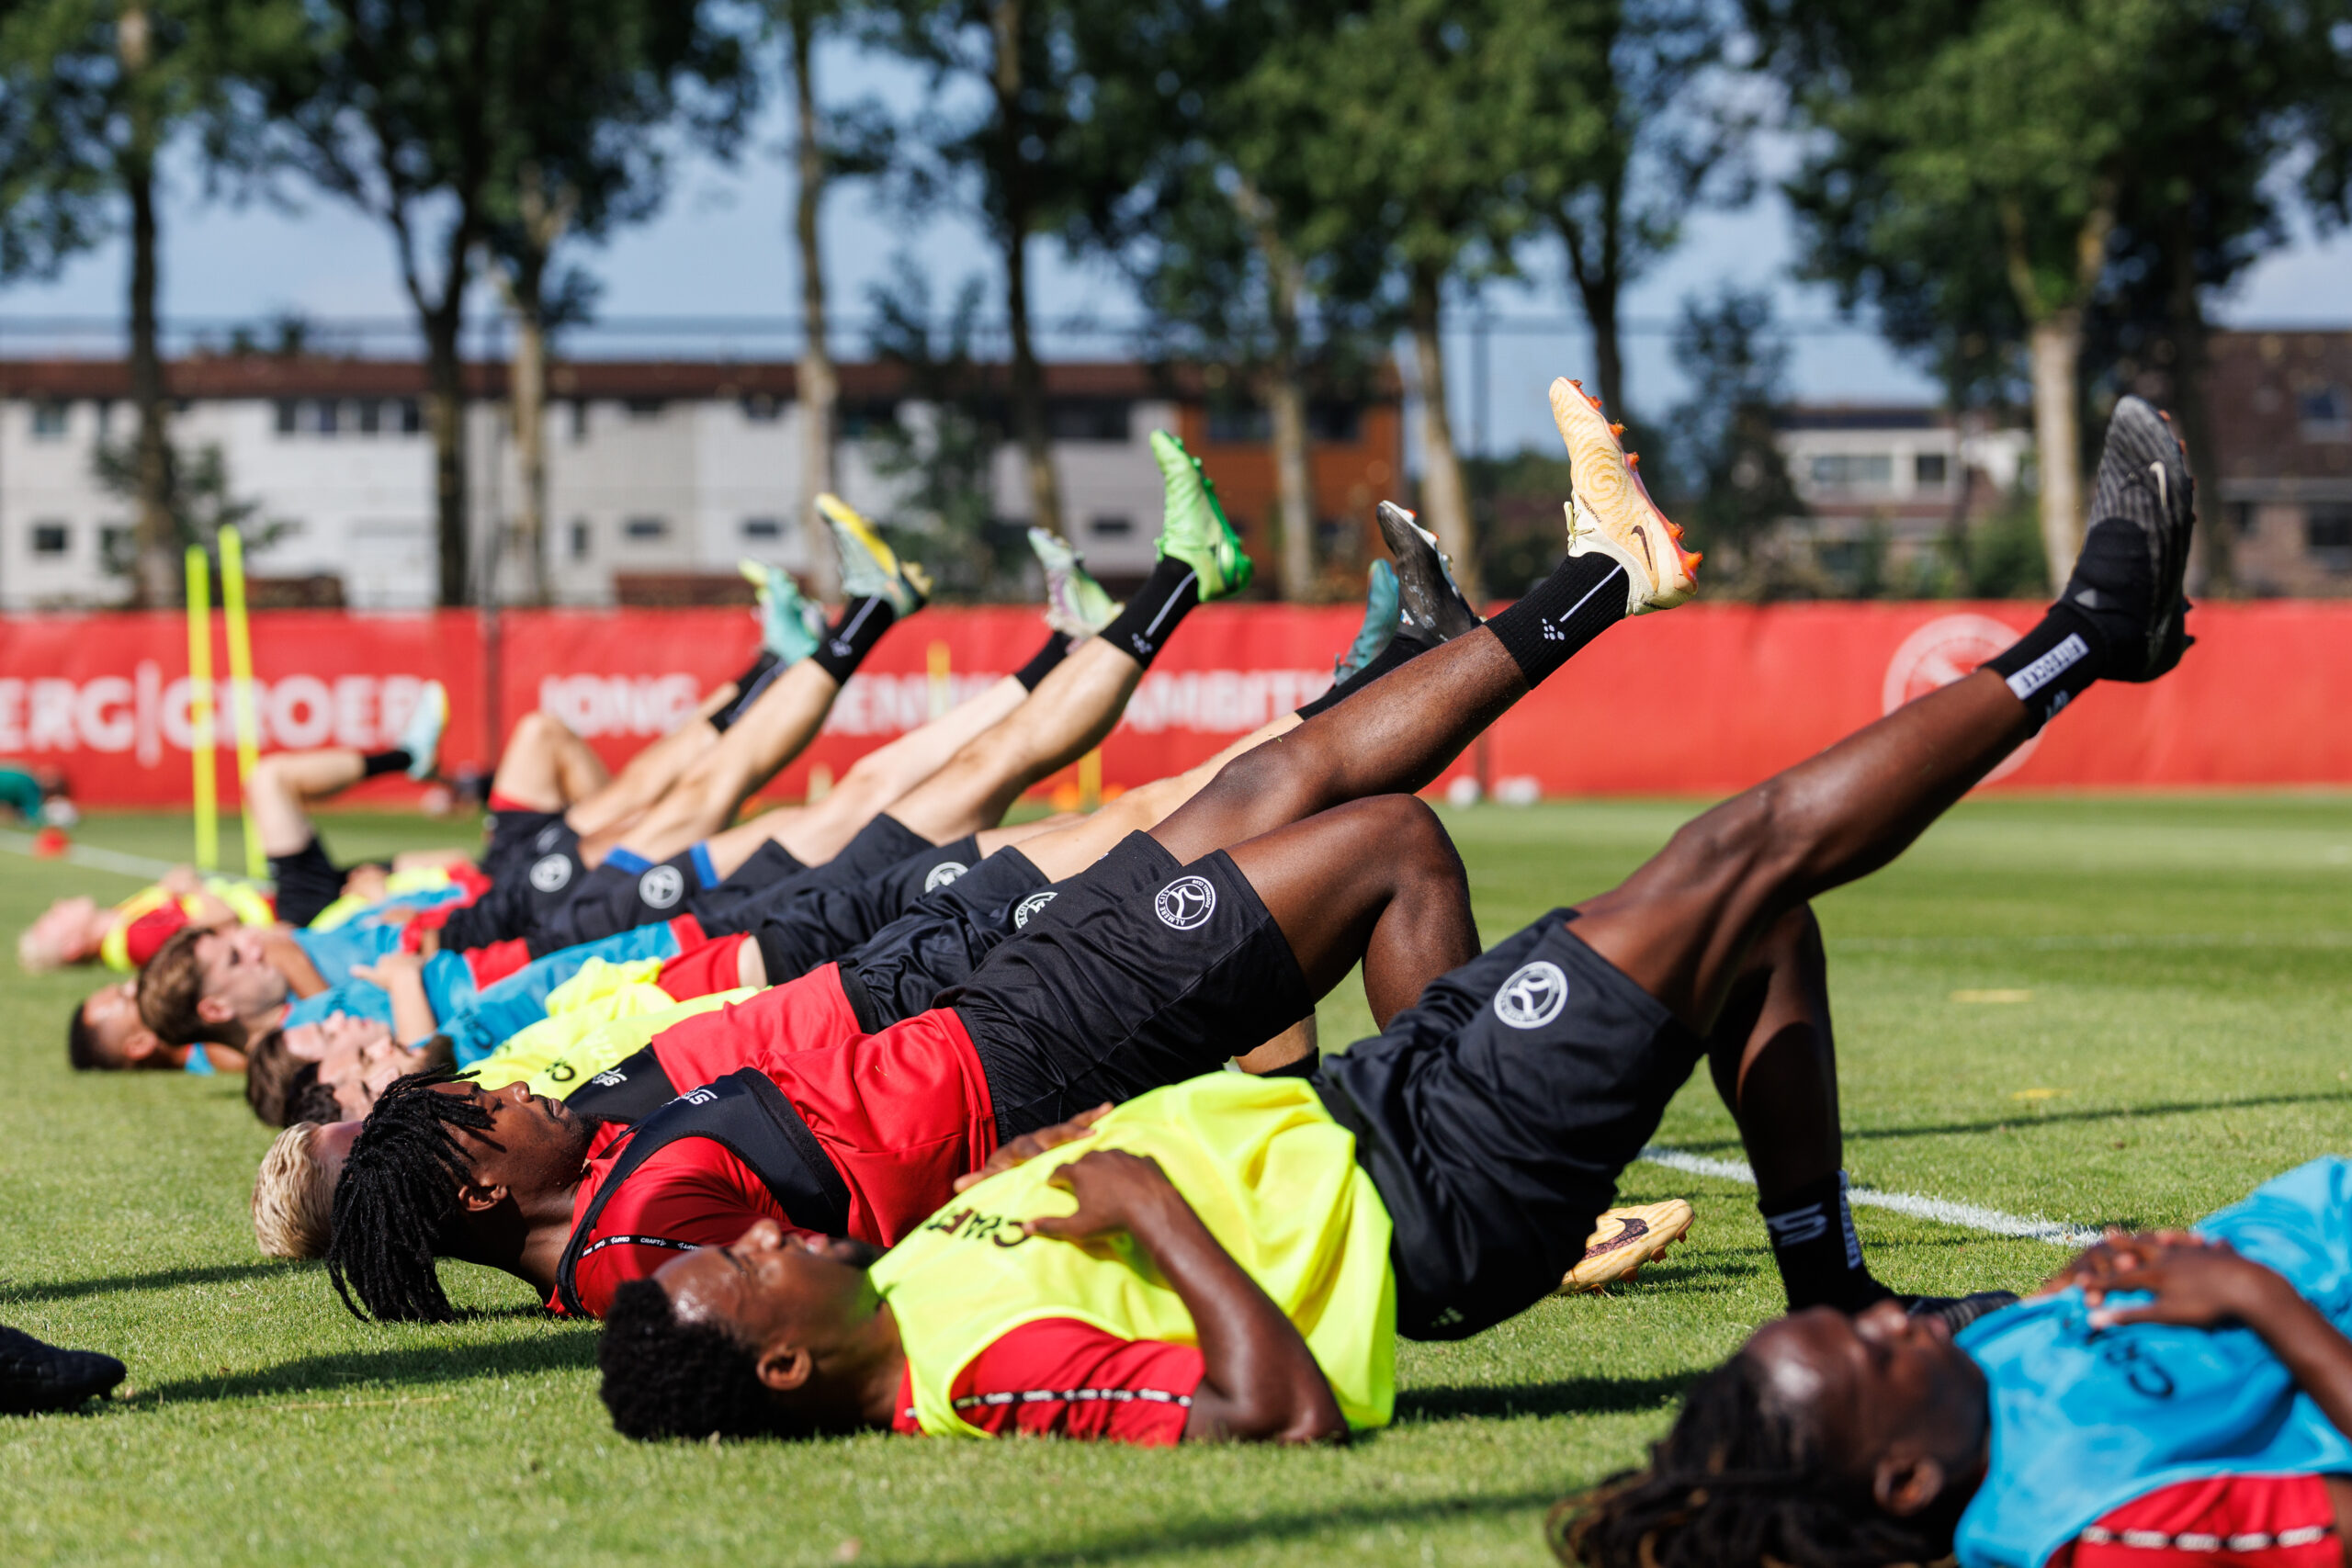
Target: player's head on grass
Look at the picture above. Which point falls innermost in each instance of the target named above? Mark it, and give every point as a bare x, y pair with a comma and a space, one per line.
211, 986
1829, 1442
329, 1070
68, 932
293, 1202
776, 1335
445, 1168
106, 1033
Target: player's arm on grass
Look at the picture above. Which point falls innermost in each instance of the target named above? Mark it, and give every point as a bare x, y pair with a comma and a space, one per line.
402, 976
1259, 1381
2204, 1284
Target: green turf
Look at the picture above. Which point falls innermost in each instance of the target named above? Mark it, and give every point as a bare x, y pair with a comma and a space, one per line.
2184, 969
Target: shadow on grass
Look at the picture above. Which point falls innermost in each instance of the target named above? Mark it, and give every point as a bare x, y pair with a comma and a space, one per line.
1572, 1396
397, 1369
1170, 1538
162, 1280
2024, 1120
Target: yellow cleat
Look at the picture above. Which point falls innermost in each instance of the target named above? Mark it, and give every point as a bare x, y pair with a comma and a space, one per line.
1624, 1239
1611, 512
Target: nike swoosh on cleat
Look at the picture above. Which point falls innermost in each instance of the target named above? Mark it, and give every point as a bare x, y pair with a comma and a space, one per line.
1634, 1230
2164, 487
1647, 560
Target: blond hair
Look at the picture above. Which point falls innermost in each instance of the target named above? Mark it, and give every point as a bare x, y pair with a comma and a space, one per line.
293, 1197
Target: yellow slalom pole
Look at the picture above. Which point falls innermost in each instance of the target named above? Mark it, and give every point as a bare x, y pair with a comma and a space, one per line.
201, 753
240, 689
938, 662
1090, 780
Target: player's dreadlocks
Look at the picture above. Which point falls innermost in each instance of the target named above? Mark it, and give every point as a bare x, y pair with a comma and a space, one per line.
396, 1203
1733, 1485
665, 1378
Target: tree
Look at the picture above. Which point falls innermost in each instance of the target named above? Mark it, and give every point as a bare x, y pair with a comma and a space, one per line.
91, 94
1733, 487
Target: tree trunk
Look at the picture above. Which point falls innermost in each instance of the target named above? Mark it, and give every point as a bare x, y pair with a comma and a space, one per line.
1286, 398
2055, 345
2216, 548
526, 394
1028, 379
157, 579
1446, 508
820, 387
444, 420
1596, 268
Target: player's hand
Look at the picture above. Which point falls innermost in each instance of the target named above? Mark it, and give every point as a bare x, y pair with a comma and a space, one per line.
1113, 1187
389, 969
1029, 1145
181, 880
2093, 1267
2196, 1283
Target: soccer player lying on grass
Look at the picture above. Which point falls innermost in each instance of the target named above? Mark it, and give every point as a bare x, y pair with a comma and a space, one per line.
1436, 1177
1213, 932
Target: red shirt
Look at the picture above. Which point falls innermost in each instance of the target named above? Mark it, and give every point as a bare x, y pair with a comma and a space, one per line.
146, 935
902, 1114
1058, 1376
2238, 1521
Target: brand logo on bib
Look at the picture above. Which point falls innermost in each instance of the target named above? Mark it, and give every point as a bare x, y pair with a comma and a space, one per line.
550, 873
1029, 905
1185, 903
609, 1078
943, 873
1533, 996
660, 886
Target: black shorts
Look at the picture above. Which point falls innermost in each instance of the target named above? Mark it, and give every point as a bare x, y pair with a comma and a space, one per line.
1139, 973
540, 877
611, 901
510, 835
307, 883
1495, 1115
877, 847
828, 919
902, 969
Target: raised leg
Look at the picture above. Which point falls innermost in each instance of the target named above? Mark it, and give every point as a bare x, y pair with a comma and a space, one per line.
285, 784
547, 768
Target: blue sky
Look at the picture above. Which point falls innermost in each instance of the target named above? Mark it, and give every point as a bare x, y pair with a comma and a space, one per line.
720, 247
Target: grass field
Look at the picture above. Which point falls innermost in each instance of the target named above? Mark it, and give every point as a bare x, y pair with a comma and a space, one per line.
2176, 973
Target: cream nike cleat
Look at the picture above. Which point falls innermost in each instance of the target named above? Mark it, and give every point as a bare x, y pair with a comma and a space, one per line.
1624, 1239
1612, 512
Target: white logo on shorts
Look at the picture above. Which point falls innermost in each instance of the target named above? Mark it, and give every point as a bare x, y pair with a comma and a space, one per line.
550, 875
549, 835
1533, 996
660, 886
1029, 905
1186, 902
943, 873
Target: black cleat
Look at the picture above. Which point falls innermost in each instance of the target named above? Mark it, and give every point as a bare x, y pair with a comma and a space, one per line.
35, 1377
1432, 605
1958, 1311
2133, 561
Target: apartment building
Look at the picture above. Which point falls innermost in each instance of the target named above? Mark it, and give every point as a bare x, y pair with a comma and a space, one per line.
1900, 472
2281, 411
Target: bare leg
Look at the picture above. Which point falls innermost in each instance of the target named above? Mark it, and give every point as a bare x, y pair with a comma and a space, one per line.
646, 776
879, 778
1683, 925
1073, 848
285, 784
545, 767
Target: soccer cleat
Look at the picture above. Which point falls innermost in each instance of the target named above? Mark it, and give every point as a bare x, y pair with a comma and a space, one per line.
784, 616
1076, 605
35, 1377
2142, 513
1624, 1239
870, 568
1957, 1313
1380, 614
1192, 528
1431, 602
1611, 512
420, 738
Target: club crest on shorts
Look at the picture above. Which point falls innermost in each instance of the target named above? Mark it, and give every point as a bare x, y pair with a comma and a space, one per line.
550, 873
1185, 903
660, 886
1029, 905
943, 873
1534, 995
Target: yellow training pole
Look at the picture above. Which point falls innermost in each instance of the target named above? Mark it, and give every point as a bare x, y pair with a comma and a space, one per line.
938, 662
199, 709
240, 689
1090, 780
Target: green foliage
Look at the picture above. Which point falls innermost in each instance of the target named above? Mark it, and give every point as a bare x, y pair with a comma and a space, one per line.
2000, 555
1730, 483
201, 502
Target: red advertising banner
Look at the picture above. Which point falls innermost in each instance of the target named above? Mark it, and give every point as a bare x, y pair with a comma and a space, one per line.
1702, 701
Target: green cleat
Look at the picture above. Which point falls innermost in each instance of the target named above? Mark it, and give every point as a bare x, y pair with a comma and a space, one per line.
1380, 620
870, 568
421, 737
1193, 529
1076, 605
785, 616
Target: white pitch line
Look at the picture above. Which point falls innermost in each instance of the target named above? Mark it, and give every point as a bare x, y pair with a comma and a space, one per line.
93, 856
1943, 1211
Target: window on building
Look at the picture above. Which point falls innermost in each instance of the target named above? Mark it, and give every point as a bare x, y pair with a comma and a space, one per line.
763, 408
106, 417
2327, 532
2324, 413
371, 417
290, 416
412, 417
51, 419
52, 540
865, 418
1928, 468
1853, 470
1236, 424
1089, 419
766, 529
580, 536
646, 530
1109, 527
1336, 422
327, 416
579, 419
646, 408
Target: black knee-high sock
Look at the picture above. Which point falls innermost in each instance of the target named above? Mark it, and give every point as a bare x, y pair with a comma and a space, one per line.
1819, 1255
1044, 662
748, 687
1584, 597
1402, 649
852, 638
1151, 616
2103, 605
375, 764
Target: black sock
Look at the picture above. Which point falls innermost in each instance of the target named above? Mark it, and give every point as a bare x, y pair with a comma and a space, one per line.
375, 764
748, 687
2104, 607
1582, 598
1815, 1244
852, 638
1152, 614
1057, 649
1402, 649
